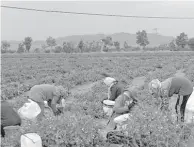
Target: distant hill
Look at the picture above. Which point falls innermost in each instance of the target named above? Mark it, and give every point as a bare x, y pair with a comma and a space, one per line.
154, 39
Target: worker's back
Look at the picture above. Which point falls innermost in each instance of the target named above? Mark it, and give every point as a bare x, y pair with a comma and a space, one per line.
9, 116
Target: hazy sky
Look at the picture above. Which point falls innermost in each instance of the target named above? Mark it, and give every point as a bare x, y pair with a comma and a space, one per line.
17, 24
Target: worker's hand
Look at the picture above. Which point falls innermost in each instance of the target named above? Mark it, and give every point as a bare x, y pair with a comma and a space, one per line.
132, 103
57, 112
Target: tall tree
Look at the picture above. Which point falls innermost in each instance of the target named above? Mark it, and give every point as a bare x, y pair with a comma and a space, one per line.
28, 43
172, 45
117, 45
81, 46
106, 41
125, 45
21, 48
191, 43
142, 38
4, 46
51, 42
182, 40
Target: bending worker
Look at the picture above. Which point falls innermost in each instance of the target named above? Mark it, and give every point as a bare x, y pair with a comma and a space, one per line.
50, 93
124, 105
115, 88
9, 117
174, 85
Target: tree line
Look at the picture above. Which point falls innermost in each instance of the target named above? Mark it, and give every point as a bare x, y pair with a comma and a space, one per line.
104, 45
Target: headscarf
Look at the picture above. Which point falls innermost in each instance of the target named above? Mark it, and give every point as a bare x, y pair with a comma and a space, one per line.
154, 86
108, 81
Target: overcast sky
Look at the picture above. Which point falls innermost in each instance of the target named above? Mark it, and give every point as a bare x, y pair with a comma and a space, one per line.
17, 24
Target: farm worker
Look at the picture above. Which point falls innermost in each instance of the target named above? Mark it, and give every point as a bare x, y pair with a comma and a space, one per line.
50, 93
9, 117
115, 88
174, 85
124, 105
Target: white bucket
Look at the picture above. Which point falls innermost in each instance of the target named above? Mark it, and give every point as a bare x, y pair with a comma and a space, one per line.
29, 110
189, 110
31, 140
108, 107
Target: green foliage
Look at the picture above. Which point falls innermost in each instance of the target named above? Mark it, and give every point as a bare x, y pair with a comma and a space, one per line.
37, 50
81, 45
67, 47
117, 45
71, 130
58, 49
181, 40
80, 123
172, 45
28, 43
125, 45
4, 46
51, 42
107, 42
47, 51
21, 48
142, 38
191, 43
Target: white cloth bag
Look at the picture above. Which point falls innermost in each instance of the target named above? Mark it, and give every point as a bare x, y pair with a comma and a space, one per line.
121, 121
29, 110
122, 118
189, 110
31, 140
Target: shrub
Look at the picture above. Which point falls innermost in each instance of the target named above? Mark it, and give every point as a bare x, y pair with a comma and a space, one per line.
37, 50
58, 49
191, 43
47, 51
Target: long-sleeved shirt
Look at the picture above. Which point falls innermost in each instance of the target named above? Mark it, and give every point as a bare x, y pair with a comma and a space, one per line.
123, 101
116, 90
175, 85
41, 93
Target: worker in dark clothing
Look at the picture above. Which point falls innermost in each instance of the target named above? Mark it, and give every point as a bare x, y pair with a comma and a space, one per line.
9, 117
115, 88
174, 85
114, 91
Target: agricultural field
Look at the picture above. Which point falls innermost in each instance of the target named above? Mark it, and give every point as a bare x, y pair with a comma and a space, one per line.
83, 121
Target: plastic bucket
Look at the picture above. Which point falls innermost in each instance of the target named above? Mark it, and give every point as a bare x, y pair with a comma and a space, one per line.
31, 140
108, 107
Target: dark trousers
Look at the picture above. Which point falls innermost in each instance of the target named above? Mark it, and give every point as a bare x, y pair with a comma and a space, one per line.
183, 105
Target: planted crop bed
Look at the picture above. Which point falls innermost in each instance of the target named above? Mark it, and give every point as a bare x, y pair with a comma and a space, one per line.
83, 74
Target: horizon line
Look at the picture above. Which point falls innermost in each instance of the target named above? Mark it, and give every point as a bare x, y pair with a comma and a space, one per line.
106, 34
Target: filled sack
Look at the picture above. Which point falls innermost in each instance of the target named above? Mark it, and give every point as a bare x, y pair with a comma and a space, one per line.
29, 110
189, 110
